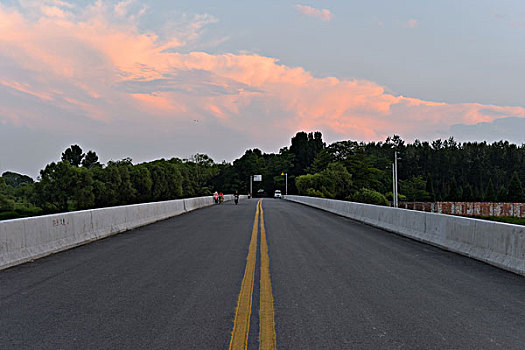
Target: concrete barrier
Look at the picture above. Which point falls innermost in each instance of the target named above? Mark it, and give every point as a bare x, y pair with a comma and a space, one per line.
22, 240
498, 244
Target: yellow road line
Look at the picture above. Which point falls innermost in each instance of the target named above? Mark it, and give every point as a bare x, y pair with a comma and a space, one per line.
243, 310
267, 337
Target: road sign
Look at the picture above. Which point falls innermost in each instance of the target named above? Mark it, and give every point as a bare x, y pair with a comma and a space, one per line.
257, 177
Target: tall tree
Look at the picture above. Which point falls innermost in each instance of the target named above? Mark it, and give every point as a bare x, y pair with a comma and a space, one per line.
305, 148
429, 187
73, 155
57, 186
515, 189
454, 193
502, 194
468, 193
141, 181
83, 191
90, 160
490, 193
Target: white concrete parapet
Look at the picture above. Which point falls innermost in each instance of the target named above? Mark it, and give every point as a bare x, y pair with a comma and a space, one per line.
22, 240
498, 244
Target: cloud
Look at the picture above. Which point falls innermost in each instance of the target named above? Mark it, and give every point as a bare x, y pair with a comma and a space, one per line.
411, 23
323, 14
53, 11
90, 74
499, 129
516, 21
121, 8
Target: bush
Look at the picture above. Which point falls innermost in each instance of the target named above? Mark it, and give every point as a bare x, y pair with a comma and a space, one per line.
400, 197
314, 193
366, 195
6, 204
333, 182
20, 213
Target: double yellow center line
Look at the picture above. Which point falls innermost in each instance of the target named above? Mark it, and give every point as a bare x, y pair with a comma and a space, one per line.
241, 323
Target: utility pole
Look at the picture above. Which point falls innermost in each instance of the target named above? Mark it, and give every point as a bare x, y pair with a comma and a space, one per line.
251, 193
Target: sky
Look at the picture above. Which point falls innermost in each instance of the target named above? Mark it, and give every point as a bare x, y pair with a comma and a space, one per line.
162, 79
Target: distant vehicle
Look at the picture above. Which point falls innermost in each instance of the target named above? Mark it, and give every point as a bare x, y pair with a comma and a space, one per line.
260, 193
277, 194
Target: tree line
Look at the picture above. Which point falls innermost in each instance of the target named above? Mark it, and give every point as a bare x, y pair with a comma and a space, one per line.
441, 170
79, 181
348, 170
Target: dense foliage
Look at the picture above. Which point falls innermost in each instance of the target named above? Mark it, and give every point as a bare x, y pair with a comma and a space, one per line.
440, 170
348, 170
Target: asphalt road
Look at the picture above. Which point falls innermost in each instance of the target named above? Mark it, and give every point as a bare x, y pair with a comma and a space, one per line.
336, 284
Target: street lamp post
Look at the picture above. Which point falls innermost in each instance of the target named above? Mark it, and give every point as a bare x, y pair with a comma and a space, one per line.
393, 185
286, 183
394, 182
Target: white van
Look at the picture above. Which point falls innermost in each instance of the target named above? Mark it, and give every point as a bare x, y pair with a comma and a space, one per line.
277, 194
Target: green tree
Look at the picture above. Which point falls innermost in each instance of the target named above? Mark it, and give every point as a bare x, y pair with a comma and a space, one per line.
126, 192
83, 193
429, 188
515, 193
251, 163
196, 174
106, 186
90, 160
366, 195
309, 184
166, 180
73, 155
502, 194
468, 193
414, 189
363, 167
490, 193
333, 182
6, 204
454, 191
56, 186
14, 179
305, 147
141, 182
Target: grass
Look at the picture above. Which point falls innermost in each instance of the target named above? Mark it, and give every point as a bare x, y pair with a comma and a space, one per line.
505, 219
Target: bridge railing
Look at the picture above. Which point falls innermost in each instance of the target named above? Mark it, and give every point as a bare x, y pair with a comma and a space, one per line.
22, 240
499, 244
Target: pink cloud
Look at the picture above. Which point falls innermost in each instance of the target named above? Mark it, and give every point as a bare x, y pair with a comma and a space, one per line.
111, 72
121, 8
26, 89
411, 23
323, 14
52, 11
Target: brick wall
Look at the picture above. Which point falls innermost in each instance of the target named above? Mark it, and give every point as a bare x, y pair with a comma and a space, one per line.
468, 208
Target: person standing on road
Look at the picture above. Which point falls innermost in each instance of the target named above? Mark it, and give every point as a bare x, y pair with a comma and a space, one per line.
216, 197
221, 197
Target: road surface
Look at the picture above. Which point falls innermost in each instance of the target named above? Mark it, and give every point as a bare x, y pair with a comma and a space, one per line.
283, 274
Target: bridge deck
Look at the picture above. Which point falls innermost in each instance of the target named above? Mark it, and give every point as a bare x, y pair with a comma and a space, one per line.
336, 284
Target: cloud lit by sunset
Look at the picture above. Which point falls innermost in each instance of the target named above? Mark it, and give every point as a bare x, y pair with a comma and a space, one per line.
73, 69
323, 14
